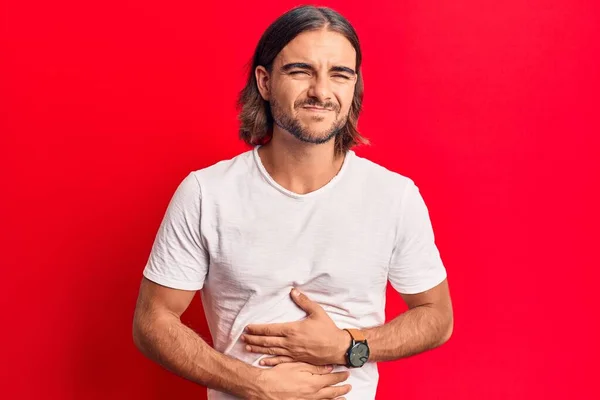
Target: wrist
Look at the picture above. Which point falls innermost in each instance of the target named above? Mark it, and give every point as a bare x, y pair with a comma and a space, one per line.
254, 384
343, 342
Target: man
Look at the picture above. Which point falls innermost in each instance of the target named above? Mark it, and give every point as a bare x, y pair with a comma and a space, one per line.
300, 213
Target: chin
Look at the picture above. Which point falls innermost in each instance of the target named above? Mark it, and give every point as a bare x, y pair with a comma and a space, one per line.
322, 136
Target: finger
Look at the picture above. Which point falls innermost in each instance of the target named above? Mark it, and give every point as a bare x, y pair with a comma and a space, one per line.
272, 361
264, 341
333, 392
274, 351
269, 329
304, 302
334, 378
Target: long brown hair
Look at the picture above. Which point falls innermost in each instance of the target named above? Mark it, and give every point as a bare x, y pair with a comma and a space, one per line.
256, 120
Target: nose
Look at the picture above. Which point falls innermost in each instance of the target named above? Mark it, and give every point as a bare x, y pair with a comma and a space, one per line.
320, 89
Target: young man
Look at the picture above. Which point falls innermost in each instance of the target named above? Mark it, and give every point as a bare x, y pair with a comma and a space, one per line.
300, 213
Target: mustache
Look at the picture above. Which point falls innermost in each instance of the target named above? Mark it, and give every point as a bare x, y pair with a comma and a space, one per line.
315, 103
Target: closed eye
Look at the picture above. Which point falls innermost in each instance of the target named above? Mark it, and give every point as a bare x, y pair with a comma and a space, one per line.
307, 73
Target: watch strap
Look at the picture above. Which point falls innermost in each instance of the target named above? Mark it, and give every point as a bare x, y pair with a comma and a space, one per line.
357, 335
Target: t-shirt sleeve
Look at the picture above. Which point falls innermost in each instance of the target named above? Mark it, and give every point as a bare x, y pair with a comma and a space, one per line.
415, 265
178, 258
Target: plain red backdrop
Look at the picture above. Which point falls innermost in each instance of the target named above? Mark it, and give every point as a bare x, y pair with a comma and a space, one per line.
491, 107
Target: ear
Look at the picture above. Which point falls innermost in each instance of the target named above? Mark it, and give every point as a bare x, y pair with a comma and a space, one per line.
263, 80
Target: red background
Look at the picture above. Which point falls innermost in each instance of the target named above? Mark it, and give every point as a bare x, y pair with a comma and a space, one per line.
491, 107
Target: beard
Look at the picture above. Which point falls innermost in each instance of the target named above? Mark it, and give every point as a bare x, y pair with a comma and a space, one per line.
293, 125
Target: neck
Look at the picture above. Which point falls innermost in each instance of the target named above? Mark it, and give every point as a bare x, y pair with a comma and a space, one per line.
297, 166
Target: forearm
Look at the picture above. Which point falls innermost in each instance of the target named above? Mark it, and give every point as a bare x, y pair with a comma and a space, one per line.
167, 341
412, 332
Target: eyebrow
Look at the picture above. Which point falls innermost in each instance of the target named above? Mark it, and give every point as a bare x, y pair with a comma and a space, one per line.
337, 68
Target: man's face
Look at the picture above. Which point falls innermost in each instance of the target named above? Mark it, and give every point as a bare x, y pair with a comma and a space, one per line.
311, 86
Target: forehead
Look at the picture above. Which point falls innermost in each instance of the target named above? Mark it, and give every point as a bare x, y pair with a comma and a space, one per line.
319, 47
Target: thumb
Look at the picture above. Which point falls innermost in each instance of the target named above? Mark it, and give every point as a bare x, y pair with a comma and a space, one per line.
304, 302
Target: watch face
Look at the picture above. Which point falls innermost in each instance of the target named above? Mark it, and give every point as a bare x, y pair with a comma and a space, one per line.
359, 355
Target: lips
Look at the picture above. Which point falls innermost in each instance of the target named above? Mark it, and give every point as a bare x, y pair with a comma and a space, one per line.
316, 109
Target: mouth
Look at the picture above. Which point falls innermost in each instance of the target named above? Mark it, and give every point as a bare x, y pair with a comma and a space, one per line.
317, 109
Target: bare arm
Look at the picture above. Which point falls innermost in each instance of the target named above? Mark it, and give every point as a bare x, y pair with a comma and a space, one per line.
161, 336
159, 333
427, 324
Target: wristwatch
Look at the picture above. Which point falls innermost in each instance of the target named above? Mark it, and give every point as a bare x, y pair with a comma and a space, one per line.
358, 352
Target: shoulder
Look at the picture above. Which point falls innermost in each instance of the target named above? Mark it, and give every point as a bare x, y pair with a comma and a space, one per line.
377, 177
223, 171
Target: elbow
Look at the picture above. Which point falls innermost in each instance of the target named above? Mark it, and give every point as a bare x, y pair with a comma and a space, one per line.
448, 329
138, 333
147, 329
136, 336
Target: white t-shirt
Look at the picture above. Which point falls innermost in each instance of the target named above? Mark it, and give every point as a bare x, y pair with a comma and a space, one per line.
245, 241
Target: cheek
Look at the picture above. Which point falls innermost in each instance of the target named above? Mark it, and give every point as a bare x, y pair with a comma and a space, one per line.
288, 92
286, 100
345, 97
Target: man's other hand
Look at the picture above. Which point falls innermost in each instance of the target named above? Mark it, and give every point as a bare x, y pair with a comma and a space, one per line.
301, 381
